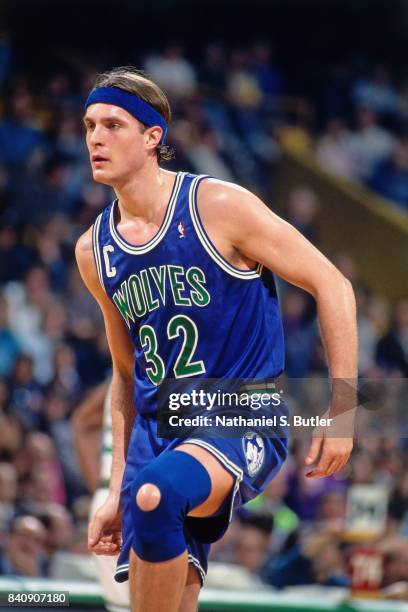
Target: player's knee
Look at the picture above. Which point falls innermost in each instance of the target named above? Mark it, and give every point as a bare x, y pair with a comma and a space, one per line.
153, 495
164, 492
148, 497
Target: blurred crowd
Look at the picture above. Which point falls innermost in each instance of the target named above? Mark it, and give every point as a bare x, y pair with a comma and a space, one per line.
233, 110
232, 114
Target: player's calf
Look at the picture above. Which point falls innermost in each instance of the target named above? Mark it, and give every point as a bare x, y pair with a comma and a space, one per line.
189, 600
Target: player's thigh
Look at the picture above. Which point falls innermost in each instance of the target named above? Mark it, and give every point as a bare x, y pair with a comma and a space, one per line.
189, 601
221, 480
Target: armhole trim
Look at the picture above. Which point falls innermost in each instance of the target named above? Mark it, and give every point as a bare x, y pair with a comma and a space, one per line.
208, 245
96, 249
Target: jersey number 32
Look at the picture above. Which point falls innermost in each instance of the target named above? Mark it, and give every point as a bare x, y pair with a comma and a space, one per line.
179, 325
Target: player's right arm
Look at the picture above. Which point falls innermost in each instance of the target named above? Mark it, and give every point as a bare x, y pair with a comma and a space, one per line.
104, 529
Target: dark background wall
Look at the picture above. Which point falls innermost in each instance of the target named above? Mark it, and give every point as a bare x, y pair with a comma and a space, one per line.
329, 30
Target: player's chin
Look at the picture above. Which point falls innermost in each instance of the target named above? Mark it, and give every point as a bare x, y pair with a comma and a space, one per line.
102, 176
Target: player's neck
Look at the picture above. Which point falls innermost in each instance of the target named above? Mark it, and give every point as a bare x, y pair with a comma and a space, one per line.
146, 193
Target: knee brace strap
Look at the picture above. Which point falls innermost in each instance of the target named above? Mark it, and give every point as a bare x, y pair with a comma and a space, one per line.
184, 483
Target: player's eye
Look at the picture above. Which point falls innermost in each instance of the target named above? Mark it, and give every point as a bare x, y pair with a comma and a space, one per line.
113, 126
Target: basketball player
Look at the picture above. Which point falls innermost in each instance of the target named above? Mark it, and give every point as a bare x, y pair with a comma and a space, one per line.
181, 268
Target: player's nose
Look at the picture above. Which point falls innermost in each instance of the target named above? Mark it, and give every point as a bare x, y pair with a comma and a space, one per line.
96, 136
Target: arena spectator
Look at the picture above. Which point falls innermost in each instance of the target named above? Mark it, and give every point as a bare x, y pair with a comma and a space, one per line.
172, 71
12, 250
294, 135
19, 137
39, 192
302, 209
28, 302
92, 199
370, 144
66, 382
272, 504
60, 528
51, 256
398, 506
242, 87
12, 434
8, 494
40, 471
373, 317
362, 470
395, 567
26, 395
392, 349
318, 559
213, 71
24, 551
268, 74
347, 266
301, 333
251, 548
206, 157
9, 346
332, 509
390, 178
334, 150
57, 410
376, 92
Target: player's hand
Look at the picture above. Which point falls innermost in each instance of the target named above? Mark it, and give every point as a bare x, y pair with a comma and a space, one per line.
105, 529
329, 455
332, 444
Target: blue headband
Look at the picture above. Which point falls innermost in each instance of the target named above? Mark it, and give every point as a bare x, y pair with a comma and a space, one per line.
137, 107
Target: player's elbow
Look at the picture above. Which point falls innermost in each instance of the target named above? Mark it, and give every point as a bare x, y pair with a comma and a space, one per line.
343, 285
337, 287
348, 292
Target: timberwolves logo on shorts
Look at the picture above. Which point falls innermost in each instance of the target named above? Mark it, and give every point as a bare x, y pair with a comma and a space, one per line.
254, 450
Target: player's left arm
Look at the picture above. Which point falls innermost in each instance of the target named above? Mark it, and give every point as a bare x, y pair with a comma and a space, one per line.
259, 235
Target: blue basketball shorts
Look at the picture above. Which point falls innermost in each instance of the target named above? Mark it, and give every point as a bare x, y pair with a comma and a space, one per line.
253, 462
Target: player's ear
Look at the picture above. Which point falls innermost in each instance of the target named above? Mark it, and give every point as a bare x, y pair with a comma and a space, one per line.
153, 136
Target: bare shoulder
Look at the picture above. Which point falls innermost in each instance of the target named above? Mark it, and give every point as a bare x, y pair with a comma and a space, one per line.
83, 247
229, 206
216, 193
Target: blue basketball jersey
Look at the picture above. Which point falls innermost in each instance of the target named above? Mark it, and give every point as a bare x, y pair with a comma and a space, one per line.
188, 311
